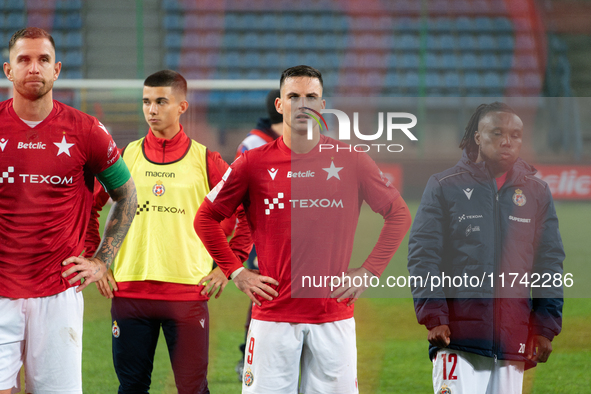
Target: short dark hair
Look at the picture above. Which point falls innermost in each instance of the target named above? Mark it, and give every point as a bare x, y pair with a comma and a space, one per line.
468, 142
29, 32
300, 71
274, 116
176, 81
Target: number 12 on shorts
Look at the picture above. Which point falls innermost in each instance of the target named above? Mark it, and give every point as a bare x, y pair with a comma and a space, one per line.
250, 351
452, 358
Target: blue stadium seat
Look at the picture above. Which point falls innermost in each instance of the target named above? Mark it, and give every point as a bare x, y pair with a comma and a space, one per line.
472, 80
308, 23
449, 61
487, 42
73, 39
506, 61
393, 79
58, 39
73, 74
250, 40
68, 5
332, 60
14, 5
448, 42
483, 25
433, 81
408, 42
15, 21
232, 21
171, 5
410, 81
250, 60
490, 61
270, 60
252, 74
409, 61
289, 41
433, 61
173, 40
432, 42
229, 60
407, 25
451, 81
468, 61
464, 25
73, 21
268, 22
492, 81
173, 22
502, 25
172, 60
505, 42
440, 25
73, 59
467, 43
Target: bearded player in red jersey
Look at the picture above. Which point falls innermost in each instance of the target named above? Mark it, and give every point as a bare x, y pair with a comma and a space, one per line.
302, 206
49, 154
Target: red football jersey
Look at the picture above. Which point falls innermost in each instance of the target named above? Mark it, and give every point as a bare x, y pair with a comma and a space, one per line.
46, 183
303, 212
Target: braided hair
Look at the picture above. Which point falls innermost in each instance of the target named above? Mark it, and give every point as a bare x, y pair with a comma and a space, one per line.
468, 141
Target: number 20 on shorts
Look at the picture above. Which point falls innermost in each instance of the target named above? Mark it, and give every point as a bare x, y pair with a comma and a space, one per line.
250, 351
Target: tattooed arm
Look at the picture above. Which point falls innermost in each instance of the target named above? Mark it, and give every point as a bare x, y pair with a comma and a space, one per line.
120, 218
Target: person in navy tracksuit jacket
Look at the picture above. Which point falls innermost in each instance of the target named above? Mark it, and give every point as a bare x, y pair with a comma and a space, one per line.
487, 220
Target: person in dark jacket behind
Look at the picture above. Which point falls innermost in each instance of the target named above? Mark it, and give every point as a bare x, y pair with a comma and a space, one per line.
485, 244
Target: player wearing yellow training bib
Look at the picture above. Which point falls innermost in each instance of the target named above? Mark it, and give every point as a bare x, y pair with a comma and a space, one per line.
158, 277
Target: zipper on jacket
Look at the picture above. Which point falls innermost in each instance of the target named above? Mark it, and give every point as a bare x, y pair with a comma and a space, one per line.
163, 149
496, 269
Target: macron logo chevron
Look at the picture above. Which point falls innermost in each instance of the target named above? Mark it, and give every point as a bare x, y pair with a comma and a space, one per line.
273, 172
3, 143
468, 192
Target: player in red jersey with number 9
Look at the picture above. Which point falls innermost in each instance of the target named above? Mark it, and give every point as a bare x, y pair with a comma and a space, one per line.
302, 206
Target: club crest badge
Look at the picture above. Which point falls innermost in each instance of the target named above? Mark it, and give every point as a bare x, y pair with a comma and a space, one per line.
444, 389
248, 378
519, 198
115, 329
158, 189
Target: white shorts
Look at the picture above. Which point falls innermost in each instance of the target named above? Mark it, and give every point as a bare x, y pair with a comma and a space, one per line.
44, 334
327, 351
468, 373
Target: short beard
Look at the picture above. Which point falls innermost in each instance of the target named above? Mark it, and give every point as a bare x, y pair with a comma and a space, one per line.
36, 95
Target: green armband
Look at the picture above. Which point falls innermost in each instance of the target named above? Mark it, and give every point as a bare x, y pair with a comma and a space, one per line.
114, 176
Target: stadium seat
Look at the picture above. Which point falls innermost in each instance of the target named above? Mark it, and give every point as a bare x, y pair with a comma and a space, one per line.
73, 39
229, 60
487, 42
451, 81
525, 62
250, 41
447, 42
269, 22
490, 61
492, 81
172, 60
467, 42
373, 79
483, 25
250, 60
173, 22
433, 81
532, 81
406, 25
410, 81
505, 42
440, 25
472, 80
173, 40
15, 21
74, 59
393, 79
449, 61
468, 61
409, 61
14, 5
171, 5
502, 25
408, 42
464, 25
232, 40
433, 61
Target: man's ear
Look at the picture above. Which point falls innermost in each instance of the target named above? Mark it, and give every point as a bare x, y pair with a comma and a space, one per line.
184, 105
477, 137
279, 105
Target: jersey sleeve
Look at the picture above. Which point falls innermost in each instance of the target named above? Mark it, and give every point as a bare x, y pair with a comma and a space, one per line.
104, 159
374, 187
232, 189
